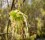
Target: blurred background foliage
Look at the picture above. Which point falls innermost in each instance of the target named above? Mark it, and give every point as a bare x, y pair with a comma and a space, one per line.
35, 11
